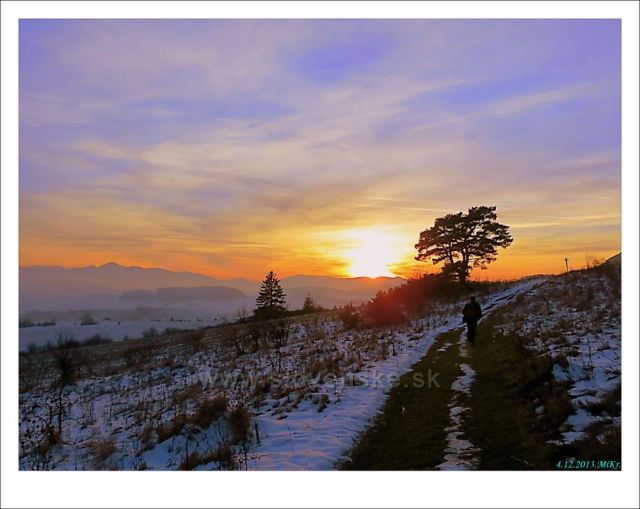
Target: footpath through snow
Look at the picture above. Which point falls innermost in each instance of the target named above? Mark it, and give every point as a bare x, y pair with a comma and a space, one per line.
310, 440
460, 453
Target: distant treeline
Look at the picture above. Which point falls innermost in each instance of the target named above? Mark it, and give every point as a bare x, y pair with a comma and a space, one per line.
68, 342
29, 323
276, 313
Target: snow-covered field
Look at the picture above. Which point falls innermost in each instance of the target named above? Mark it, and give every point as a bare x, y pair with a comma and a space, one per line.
317, 441
114, 329
286, 396
576, 321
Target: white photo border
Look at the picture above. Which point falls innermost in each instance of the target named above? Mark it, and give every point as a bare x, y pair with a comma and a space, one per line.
317, 489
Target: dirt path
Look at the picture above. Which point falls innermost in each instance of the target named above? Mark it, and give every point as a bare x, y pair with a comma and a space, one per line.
477, 413
460, 453
410, 433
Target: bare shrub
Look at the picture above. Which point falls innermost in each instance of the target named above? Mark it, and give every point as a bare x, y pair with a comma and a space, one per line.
151, 332
190, 461
558, 408
278, 333
262, 387
223, 454
328, 365
66, 364
171, 428
237, 337
102, 449
191, 392
195, 339
350, 317
32, 371
209, 411
323, 402
560, 359
226, 457
148, 437
256, 335
239, 420
139, 356
36, 443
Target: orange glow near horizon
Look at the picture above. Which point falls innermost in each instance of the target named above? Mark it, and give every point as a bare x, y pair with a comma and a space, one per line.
508, 266
363, 252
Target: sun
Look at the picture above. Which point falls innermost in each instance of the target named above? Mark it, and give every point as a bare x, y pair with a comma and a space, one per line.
373, 253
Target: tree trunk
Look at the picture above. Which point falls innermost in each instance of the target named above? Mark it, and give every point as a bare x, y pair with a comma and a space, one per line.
464, 269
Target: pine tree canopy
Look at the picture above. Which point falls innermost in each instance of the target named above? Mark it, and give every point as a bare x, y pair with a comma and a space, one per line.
271, 296
464, 241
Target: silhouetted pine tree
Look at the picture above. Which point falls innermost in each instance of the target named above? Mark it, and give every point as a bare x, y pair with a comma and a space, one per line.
462, 241
271, 298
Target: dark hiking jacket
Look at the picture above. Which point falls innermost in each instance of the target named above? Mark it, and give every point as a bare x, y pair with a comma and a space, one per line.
472, 312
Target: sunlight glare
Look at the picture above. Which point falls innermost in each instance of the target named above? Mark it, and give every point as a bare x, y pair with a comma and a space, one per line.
373, 253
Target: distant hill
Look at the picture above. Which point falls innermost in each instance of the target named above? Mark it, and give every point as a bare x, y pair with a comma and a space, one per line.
111, 284
112, 278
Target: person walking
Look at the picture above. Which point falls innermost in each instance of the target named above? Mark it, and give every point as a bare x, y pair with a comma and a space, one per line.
471, 313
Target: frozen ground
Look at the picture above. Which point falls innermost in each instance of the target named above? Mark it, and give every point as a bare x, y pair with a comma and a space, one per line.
307, 390
311, 440
575, 320
147, 404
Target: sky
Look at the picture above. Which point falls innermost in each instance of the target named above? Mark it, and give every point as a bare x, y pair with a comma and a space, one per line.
233, 147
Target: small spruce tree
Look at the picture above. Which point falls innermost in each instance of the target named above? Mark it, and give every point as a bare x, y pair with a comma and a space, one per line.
271, 299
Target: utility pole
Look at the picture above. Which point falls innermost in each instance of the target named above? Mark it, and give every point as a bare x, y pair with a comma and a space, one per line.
566, 262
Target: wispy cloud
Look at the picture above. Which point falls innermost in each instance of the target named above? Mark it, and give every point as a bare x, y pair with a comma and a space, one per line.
228, 146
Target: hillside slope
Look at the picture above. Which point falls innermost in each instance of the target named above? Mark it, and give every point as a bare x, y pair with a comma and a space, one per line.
540, 385
539, 389
180, 401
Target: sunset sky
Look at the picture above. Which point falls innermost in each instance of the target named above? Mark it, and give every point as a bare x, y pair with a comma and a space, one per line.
231, 147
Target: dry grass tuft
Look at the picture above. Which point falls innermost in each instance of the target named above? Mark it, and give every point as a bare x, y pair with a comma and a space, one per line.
209, 411
239, 420
102, 449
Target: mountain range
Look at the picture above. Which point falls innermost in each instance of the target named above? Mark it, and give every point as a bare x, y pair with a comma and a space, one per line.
112, 285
